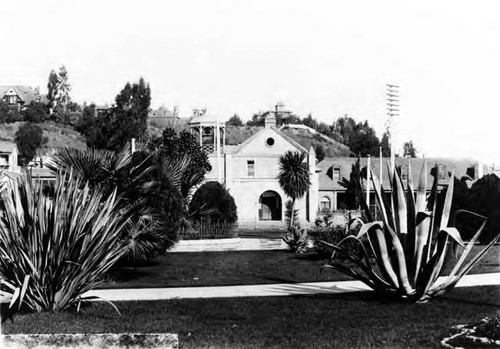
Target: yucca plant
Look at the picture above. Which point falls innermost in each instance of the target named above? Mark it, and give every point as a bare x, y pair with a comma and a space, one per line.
55, 248
404, 253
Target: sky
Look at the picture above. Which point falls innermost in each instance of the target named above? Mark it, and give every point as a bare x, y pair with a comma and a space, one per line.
328, 58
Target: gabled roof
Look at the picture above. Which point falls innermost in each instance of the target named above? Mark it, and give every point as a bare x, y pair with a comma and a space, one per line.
279, 133
27, 94
344, 166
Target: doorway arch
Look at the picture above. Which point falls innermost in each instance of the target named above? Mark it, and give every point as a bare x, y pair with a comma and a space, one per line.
270, 208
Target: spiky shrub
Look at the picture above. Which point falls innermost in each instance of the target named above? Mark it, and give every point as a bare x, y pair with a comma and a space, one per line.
404, 254
63, 243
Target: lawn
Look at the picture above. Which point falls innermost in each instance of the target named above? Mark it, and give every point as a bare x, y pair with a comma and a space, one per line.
243, 268
357, 320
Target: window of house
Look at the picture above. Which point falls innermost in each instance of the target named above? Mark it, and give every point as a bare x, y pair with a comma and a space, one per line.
251, 168
11, 99
270, 141
325, 203
336, 174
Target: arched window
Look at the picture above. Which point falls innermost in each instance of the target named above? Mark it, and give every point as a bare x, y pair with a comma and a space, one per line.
270, 206
325, 203
441, 172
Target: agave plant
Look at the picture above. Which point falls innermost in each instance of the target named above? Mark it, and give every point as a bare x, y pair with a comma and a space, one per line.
405, 252
54, 248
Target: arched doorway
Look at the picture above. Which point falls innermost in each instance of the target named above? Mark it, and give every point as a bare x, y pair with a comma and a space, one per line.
270, 206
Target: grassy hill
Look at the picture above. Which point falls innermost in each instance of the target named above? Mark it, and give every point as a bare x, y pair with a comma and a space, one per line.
57, 136
237, 135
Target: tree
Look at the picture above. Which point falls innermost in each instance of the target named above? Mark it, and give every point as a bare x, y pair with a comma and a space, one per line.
484, 198
58, 92
235, 120
310, 122
29, 137
294, 176
320, 153
213, 198
130, 114
172, 145
409, 150
386, 146
140, 184
36, 112
113, 128
363, 141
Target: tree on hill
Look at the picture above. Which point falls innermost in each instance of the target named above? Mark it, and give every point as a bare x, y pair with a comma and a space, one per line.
58, 93
386, 146
28, 138
235, 120
113, 128
320, 153
409, 150
36, 112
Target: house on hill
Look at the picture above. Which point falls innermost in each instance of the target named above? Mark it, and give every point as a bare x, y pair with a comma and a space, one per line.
8, 157
20, 96
249, 171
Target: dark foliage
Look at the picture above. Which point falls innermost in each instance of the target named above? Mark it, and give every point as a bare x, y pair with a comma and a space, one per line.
215, 201
484, 198
320, 153
29, 137
36, 112
235, 120
113, 128
171, 144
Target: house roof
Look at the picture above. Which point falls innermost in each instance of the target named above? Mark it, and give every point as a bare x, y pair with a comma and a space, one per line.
7, 147
278, 132
207, 119
344, 166
27, 94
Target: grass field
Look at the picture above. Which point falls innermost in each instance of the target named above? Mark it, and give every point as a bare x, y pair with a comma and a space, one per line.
243, 268
357, 320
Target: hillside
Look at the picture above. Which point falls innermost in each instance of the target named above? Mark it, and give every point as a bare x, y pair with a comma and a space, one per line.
57, 136
237, 135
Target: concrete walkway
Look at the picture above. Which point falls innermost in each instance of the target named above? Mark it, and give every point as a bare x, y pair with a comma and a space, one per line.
334, 287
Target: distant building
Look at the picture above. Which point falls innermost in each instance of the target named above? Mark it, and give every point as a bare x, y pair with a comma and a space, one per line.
8, 157
20, 95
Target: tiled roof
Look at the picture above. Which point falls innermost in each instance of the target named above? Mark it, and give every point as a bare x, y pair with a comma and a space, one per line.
460, 166
27, 94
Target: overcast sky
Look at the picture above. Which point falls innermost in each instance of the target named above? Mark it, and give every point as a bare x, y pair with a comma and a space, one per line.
329, 58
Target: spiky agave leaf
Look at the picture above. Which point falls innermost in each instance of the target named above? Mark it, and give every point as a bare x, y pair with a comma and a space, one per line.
410, 270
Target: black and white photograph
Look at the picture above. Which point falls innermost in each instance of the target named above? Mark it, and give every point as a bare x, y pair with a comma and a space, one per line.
249, 174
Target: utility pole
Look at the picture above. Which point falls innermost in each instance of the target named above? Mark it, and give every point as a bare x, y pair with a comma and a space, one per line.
392, 99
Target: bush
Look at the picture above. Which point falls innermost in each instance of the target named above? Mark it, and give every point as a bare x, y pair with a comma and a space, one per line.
213, 203
61, 244
330, 234
29, 137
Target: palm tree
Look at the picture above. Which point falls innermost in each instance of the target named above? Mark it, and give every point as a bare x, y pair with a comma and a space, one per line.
294, 176
139, 182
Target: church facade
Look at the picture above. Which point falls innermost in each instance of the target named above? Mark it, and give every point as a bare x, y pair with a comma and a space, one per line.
249, 172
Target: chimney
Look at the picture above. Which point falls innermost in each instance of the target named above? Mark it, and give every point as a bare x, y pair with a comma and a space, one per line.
269, 120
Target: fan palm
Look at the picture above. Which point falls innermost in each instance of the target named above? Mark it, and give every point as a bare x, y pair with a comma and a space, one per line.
294, 177
149, 231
